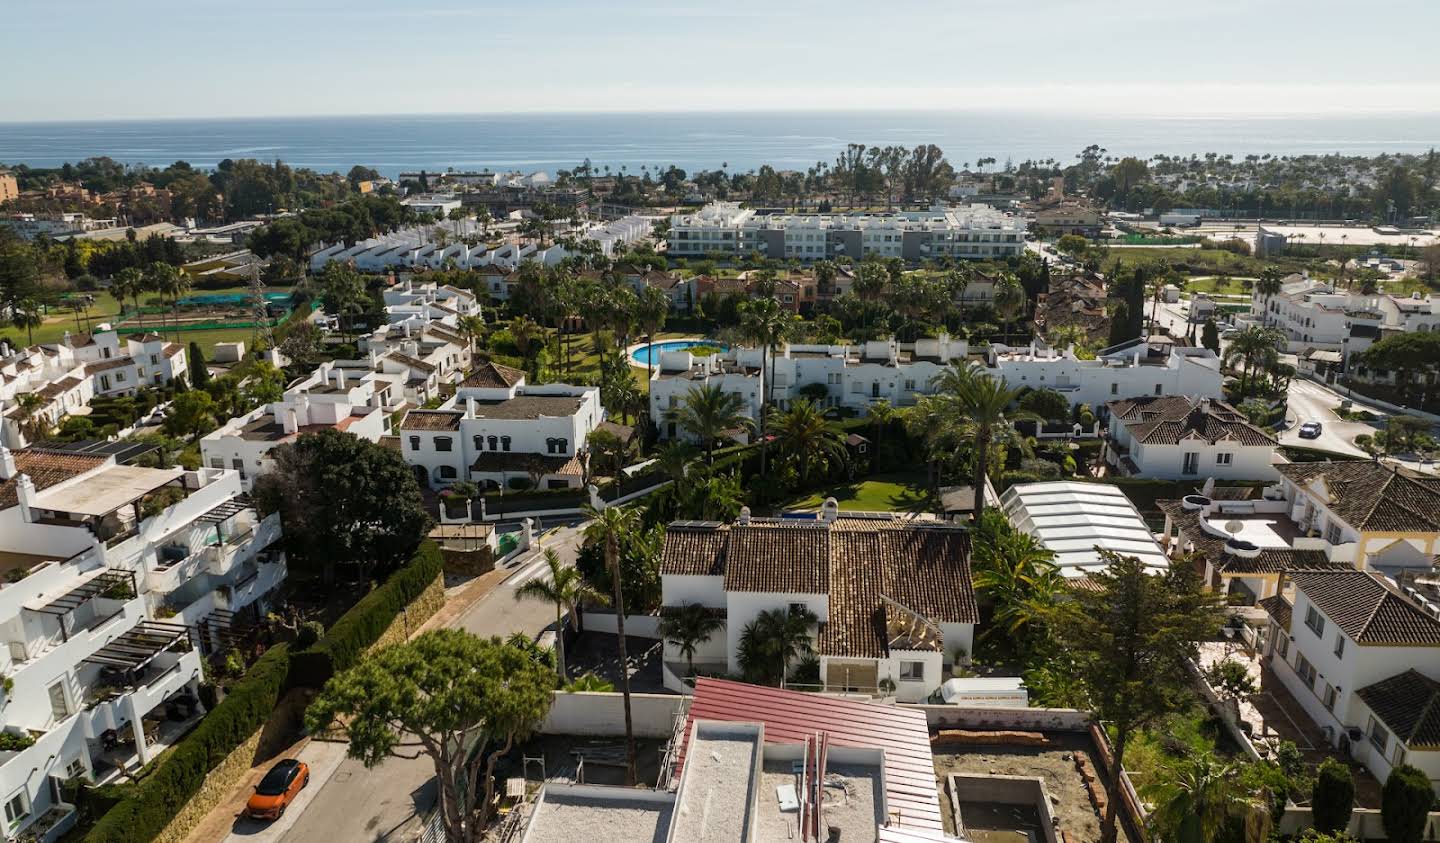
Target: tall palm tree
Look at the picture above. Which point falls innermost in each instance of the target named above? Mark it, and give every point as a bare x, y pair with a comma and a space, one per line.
563, 588
688, 628
773, 640
471, 328
881, 414
674, 458
978, 405
1255, 347
805, 435
169, 281
764, 322
651, 311
608, 527
128, 282
26, 314
709, 411
1270, 283
1009, 301
1018, 577
524, 331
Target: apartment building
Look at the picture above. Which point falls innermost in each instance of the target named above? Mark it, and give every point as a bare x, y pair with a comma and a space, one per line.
118, 580
1313, 314
501, 433
1070, 217
966, 231
856, 376
333, 396
1351, 515
1172, 437
426, 302
892, 592
1363, 659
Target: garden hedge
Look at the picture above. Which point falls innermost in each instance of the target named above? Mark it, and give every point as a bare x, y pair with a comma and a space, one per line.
155, 800
367, 620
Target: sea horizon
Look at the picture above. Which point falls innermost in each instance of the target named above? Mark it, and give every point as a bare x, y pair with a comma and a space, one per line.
692, 140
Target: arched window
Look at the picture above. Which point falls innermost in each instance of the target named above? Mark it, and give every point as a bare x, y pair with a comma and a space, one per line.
479, 443
447, 472
414, 443
504, 443
493, 443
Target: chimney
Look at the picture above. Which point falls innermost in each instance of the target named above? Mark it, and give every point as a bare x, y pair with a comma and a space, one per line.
374, 357
68, 343
829, 510
290, 423
7, 463
339, 377
302, 410
25, 495
470, 407
744, 516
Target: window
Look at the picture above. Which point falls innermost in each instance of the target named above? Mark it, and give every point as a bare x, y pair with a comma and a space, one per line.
414, 443
154, 359
1399, 757
797, 608
1159, 389
494, 443
1224, 459
479, 442
1114, 389
59, 704
1282, 643
912, 671
1329, 697
1192, 463
1306, 670
1333, 534
1314, 620
1339, 645
217, 462
442, 443
75, 769
504, 443
1379, 735
447, 472
119, 377
239, 465
17, 808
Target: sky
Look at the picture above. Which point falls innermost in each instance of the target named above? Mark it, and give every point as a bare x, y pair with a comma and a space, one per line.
99, 59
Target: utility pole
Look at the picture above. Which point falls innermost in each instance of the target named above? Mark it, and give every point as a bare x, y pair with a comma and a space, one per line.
261, 333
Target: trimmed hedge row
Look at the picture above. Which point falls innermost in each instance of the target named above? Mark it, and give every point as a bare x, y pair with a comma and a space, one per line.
157, 798
367, 620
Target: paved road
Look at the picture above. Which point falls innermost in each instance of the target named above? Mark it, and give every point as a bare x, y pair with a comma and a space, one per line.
383, 805
1309, 401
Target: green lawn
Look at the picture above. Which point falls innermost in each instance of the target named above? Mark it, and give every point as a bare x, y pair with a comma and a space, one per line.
1229, 286
898, 492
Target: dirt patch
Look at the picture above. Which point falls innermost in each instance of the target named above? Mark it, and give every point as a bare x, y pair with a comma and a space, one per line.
1070, 800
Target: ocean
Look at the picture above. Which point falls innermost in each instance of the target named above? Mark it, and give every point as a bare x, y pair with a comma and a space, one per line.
693, 141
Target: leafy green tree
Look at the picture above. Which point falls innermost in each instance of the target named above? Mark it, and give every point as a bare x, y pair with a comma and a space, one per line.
688, 628
1130, 640
460, 700
199, 372
564, 588
1073, 245
772, 641
1046, 404
344, 500
190, 414
1210, 335
707, 413
1405, 804
607, 528
1333, 796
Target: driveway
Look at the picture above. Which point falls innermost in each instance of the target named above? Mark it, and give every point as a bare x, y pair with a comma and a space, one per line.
385, 804
1310, 401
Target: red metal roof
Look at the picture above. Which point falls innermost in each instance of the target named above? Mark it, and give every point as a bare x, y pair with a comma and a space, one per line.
911, 799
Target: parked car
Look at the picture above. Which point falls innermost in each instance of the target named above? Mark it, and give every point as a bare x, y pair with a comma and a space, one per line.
1310, 430
278, 789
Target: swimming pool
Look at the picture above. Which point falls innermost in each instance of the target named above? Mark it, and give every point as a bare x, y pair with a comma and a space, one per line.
644, 355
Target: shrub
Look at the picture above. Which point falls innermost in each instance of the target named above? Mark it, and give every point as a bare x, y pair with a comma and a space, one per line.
1405, 804
310, 632
1333, 796
368, 619
154, 801
11, 742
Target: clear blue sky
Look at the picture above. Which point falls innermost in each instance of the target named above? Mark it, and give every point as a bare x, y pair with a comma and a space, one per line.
163, 58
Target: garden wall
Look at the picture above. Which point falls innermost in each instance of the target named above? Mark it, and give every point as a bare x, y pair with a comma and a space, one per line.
216, 787
1365, 823
973, 717
595, 713
638, 626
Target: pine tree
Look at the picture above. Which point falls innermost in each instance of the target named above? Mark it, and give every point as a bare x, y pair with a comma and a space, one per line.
199, 374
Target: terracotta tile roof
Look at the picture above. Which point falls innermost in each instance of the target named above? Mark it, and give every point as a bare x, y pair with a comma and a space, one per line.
528, 407
107, 365
1409, 705
432, 420
490, 375
1371, 496
1171, 419
1367, 610
517, 461
856, 562
620, 431
446, 334
411, 361
1150, 407
56, 389
173, 348
1278, 608
46, 469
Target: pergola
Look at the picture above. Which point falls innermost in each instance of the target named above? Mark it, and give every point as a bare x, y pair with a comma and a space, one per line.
140, 644
227, 510
76, 597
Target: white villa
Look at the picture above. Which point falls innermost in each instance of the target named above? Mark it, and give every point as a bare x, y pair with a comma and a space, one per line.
500, 432
1172, 437
330, 397
856, 376
892, 592
118, 580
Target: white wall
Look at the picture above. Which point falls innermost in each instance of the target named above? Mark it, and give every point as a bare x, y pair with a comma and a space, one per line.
742, 607
678, 590
602, 714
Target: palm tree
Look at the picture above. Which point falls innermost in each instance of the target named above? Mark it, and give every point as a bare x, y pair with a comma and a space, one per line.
1270, 283
673, 459
688, 628
523, 331
707, 413
804, 434
772, 641
881, 414
564, 588
1195, 797
979, 405
1018, 577
26, 314
1010, 301
471, 328
128, 282
169, 281
764, 322
1255, 347
34, 425
653, 307
608, 527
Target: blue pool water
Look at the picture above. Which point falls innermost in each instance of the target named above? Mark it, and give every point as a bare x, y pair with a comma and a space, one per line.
647, 354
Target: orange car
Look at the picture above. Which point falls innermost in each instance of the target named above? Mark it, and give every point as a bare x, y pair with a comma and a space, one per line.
278, 789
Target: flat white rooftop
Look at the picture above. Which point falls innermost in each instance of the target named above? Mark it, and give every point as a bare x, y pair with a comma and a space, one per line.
106, 491
1075, 520
598, 814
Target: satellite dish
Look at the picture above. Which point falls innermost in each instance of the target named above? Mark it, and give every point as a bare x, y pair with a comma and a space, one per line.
1234, 526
